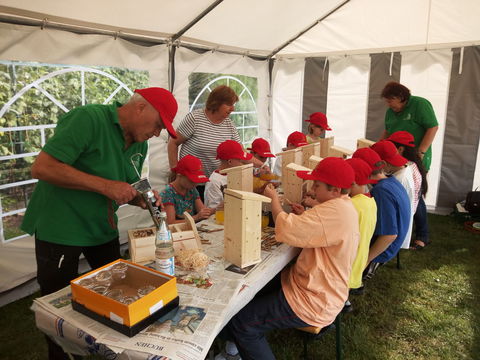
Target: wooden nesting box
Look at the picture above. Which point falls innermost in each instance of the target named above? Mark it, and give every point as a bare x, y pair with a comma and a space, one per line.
362, 143
292, 184
309, 150
325, 145
185, 235
313, 161
337, 151
291, 156
243, 227
239, 177
141, 245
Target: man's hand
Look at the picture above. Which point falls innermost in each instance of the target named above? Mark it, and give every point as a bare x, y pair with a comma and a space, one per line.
120, 192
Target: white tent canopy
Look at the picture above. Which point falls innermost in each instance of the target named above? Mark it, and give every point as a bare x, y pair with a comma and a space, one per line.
330, 55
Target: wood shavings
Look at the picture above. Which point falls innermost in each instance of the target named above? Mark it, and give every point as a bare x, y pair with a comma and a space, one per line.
192, 259
143, 233
268, 239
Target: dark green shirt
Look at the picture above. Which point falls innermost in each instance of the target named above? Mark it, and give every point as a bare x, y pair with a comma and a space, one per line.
416, 117
90, 139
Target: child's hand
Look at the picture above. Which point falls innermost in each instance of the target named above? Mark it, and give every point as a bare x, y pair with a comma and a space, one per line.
204, 213
270, 191
297, 209
309, 202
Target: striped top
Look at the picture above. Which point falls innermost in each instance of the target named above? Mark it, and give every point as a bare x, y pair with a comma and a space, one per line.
203, 137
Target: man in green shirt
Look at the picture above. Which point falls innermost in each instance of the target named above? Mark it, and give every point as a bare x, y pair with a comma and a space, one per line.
84, 172
415, 115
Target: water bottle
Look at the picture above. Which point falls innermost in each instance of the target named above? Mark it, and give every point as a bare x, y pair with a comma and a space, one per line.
164, 255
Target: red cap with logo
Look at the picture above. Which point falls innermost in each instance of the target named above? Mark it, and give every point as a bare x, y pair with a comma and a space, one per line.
261, 147
362, 171
402, 137
297, 139
333, 171
230, 149
319, 119
388, 152
370, 157
164, 102
191, 167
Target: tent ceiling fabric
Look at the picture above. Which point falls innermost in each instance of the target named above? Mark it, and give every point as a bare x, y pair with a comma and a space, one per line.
259, 27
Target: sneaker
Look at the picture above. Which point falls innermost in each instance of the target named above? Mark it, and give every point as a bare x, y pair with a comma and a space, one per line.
230, 352
370, 270
348, 307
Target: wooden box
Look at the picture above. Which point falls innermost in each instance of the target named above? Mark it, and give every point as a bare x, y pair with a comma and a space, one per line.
185, 235
313, 162
141, 245
361, 143
292, 184
243, 230
291, 156
337, 151
325, 145
308, 151
239, 177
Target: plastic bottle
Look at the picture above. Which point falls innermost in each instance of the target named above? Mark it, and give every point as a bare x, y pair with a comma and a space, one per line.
164, 255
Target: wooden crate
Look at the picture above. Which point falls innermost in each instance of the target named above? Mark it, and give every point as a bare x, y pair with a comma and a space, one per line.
239, 177
308, 151
293, 186
243, 227
325, 145
362, 143
337, 151
291, 156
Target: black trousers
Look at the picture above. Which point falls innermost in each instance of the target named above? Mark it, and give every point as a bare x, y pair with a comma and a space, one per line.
58, 264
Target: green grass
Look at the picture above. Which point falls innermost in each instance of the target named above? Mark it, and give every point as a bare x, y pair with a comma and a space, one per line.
427, 310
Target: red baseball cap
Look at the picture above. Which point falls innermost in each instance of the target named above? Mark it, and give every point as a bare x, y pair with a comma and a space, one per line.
370, 157
332, 171
362, 171
388, 152
230, 149
191, 167
164, 102
319, 119
402, 137
297, 139
261, 147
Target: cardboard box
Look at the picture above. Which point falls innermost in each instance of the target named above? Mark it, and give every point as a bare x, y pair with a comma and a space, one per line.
132, 318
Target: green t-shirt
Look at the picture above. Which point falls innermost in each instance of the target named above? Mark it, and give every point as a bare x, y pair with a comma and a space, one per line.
90, 139
416, 117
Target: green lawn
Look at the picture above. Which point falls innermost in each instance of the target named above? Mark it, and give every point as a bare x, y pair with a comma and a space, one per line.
427, 310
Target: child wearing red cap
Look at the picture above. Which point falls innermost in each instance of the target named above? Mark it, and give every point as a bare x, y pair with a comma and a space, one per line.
367, 219
317, 127
312, 291
393, 211
404, 142
181, 195
261, 151
231, 154
294, 140
399, 167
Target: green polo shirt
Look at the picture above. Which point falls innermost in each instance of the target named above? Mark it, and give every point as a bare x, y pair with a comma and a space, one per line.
90, 139
416, 117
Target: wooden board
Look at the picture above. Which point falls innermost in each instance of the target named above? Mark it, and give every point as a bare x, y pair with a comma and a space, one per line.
325, 145
239, 177
292, 184
308, 151
337, 151
361, 143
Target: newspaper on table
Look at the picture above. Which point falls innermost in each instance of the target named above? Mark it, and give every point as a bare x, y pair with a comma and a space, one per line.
205, 306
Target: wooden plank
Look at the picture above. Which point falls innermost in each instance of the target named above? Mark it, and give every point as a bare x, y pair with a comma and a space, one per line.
361, 143
308, 151
325, 145
292, 184
239, 177
337, 151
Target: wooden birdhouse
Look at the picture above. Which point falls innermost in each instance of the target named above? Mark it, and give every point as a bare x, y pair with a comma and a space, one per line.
291, 156
243, 231
239, 177
292, 184
361, 143
185, 235
309, 150
325, 145
313, 161
337, 151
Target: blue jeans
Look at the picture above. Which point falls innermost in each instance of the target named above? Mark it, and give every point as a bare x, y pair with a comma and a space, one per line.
421, 221
266, 312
